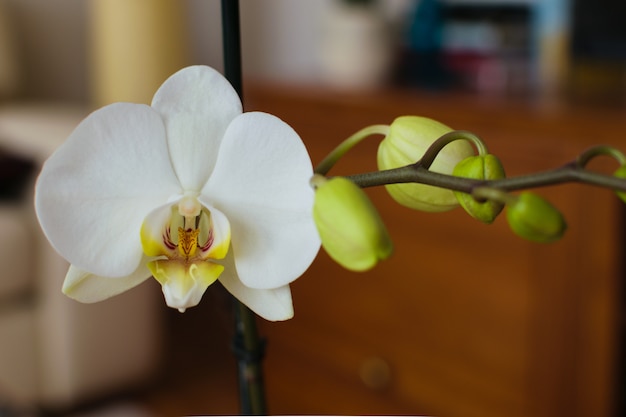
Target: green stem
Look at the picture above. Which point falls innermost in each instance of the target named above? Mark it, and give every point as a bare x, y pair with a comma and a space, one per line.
493, 194
571, 172
438, 145
600, 150
348, 144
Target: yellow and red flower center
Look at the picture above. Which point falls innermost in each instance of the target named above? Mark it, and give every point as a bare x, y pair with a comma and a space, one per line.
185, 242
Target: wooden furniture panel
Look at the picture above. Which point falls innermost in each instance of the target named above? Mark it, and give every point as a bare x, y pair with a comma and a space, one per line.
465, 319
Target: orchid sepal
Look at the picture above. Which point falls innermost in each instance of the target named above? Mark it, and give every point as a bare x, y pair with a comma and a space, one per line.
86, 287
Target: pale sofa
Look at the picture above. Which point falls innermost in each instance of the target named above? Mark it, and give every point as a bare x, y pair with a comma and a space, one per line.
55, 353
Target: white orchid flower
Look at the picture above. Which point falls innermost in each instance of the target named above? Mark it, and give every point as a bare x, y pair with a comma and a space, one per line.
189, 190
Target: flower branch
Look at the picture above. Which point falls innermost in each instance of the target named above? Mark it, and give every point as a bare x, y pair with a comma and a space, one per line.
452, 168
418, 173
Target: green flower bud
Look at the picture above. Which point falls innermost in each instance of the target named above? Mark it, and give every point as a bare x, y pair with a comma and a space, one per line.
408, 139
534, 218
349, 225
621, 173
480, 167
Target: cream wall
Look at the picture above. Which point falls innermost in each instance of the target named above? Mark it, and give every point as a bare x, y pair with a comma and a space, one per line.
278, 36
280, 40
51, 45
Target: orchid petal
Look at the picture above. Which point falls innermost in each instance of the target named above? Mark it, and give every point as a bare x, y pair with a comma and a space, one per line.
197, 104
271, 304
94, 192
86, 287
261, 180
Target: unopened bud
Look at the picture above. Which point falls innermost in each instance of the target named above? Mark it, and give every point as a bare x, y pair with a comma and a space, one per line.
480, 167
534, 218
351, 230
408, 139
621, 173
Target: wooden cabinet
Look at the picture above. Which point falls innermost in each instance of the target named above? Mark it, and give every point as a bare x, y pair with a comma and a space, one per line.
465, 319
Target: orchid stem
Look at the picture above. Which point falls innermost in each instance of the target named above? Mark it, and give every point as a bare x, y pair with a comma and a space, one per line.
231, 34
416, 173
337, 153
437, 146
249, 350
600, 150
247, 345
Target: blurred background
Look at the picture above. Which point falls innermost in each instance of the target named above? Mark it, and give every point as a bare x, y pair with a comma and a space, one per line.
465, 320
485, 45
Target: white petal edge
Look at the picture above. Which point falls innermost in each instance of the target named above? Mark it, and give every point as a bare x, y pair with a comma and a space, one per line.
261, 183
197, 104
271, 304
95, 190
86, 287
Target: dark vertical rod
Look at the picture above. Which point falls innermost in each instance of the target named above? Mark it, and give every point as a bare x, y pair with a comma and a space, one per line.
231, 40
249, 350
247, 346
